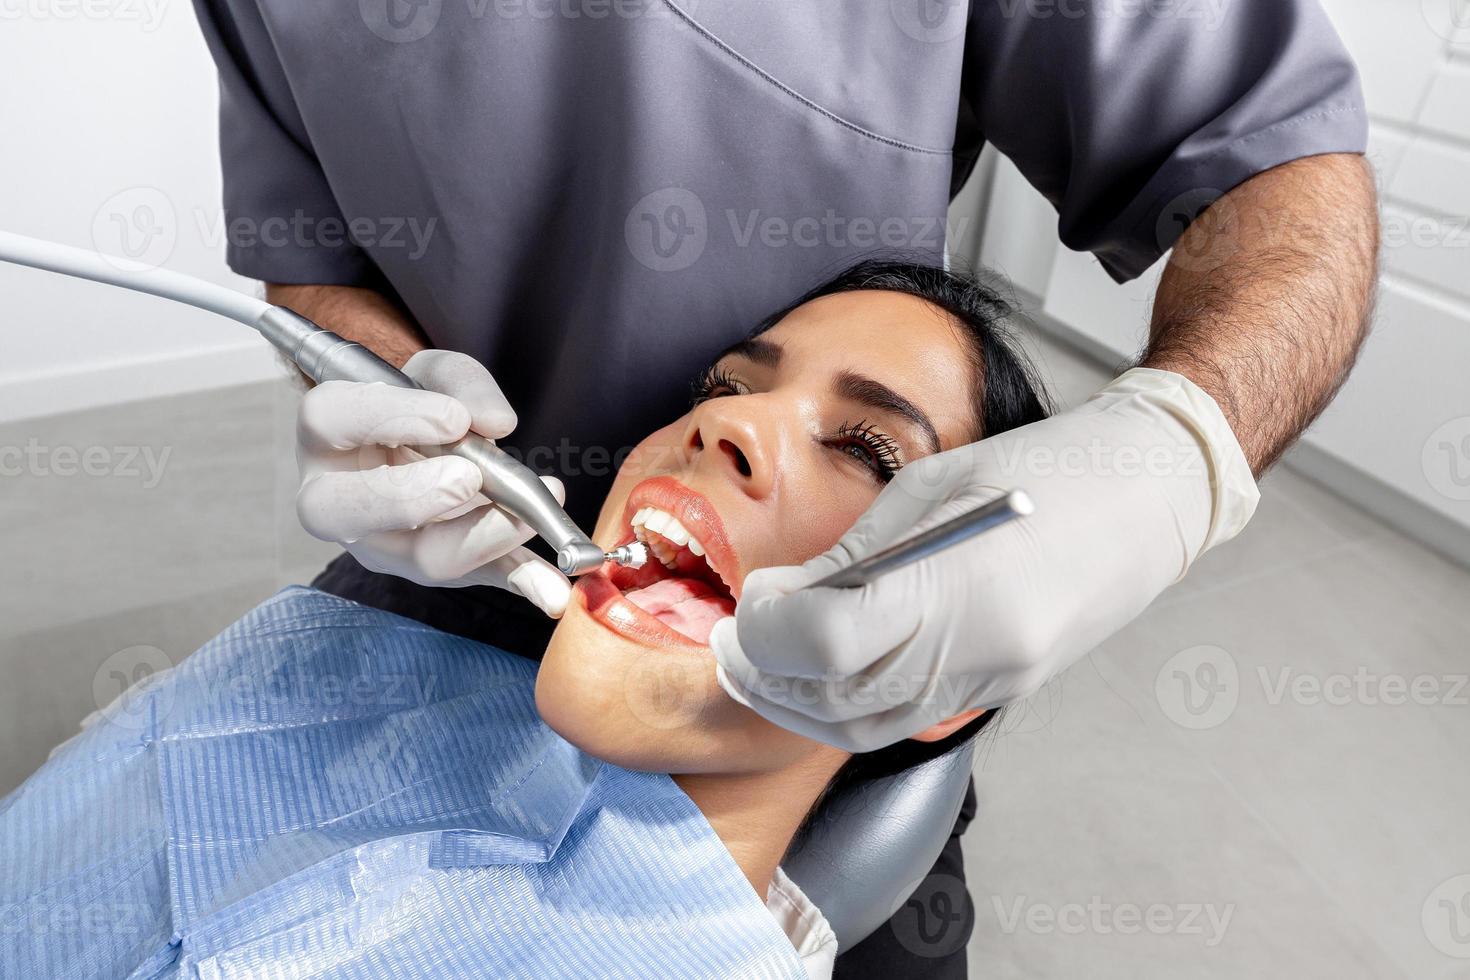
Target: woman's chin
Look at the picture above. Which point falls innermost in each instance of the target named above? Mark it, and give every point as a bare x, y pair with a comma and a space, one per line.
651, 707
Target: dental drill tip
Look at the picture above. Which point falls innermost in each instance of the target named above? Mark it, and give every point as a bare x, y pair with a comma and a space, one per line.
632, 555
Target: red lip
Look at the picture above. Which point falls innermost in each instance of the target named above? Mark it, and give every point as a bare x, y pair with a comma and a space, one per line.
697, 515
601, 590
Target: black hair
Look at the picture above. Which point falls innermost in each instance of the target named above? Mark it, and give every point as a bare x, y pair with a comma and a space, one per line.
1004, 394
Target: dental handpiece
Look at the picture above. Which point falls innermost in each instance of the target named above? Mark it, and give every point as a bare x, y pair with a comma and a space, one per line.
1006, 508
324, 356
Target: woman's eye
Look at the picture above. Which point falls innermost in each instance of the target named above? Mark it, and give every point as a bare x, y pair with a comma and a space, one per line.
873, 449
716, 383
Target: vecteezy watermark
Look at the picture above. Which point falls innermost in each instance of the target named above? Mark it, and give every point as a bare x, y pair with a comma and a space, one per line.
931, 21
574, 9
302, 231
1098, 917
147, 14
940, 695
136, 228
1445, 459
1021, 458
125, 687
937, 919
63, 920
404, 21
139, 228
1445, 917
1209, 12
1198, 688
145, 463
669, 230
1450, 19
832, 230
328, 690
1365, 687
1421, 231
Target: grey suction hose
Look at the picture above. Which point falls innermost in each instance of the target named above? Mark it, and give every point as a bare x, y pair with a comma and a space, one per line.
324, 356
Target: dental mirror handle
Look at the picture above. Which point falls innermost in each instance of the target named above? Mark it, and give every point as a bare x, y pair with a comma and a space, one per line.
1006, 508
324, 356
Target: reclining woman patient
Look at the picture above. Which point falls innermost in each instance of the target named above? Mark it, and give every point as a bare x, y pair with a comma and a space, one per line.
330, 790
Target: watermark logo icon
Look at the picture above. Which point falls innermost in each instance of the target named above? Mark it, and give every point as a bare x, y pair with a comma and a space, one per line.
1216, 224
136, 229
1450, 19
123, 688
1198, 688
1446, 459
667, 695
667, 230
937, 919
1446, 917
930, 21
400, 21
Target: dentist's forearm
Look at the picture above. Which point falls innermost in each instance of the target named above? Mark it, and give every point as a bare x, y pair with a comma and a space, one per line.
1267, 298
361, 315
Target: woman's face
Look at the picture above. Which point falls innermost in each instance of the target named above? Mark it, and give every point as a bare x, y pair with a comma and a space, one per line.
795, 435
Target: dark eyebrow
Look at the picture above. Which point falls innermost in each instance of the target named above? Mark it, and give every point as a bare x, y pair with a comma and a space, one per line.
766, 353
881, 398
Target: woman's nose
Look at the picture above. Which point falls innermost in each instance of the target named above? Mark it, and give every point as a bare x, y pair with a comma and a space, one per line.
730, 441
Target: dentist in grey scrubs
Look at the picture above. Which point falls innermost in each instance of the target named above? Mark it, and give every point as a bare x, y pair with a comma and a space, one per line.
568, 206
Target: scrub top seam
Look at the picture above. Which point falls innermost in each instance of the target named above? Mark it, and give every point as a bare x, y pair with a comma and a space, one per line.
772, 80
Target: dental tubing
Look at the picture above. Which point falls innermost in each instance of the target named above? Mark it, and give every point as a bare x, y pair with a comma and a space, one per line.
324, 356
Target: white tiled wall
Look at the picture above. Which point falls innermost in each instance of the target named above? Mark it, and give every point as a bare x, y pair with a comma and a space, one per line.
1398, 437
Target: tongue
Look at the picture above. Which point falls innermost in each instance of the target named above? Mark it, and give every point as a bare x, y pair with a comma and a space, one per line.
687, 605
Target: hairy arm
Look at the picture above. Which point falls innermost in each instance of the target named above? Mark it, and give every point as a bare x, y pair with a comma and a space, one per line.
1267, 298
361, 315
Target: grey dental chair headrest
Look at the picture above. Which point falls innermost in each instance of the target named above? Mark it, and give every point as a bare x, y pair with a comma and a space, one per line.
870, 847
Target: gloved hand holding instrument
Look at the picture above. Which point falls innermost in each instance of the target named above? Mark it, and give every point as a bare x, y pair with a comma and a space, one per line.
414, 517
1129, 489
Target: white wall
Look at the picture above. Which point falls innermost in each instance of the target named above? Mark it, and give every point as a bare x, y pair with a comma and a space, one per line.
108, 112
1397, 439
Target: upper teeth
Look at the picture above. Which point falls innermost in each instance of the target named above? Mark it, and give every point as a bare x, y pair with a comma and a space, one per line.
665, 525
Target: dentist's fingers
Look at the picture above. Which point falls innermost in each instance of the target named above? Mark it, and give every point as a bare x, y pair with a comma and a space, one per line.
344, 415
445, 551
524, 572
467, 381
346, 506
789, 631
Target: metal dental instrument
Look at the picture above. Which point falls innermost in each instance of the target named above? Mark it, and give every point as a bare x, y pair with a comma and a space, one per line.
323, 356
1014, 504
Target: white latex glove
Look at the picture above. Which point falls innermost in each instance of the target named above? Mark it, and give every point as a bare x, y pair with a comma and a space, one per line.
1130, 488
400, 513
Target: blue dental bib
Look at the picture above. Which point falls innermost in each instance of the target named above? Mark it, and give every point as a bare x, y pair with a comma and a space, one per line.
326, 790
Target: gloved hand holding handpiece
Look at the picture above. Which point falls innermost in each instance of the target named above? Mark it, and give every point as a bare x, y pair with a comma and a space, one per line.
397, 512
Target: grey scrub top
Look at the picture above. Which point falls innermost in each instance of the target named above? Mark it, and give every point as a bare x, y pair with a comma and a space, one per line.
593, 197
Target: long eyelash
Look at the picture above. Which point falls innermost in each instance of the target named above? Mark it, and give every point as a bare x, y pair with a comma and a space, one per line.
707, 385
886, 457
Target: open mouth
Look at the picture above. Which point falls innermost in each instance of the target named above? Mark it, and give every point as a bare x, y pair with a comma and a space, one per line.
686, 586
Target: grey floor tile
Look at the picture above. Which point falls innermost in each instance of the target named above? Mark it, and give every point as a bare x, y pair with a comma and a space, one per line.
1317, 729
1103, 848
128, 537
55, 677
